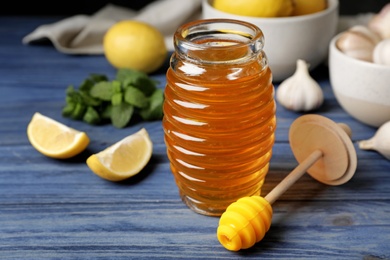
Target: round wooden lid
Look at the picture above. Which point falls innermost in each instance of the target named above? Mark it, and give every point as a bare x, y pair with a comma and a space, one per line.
314, 132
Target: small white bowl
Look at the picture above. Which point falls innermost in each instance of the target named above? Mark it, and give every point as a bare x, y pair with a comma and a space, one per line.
361, 88
288, 39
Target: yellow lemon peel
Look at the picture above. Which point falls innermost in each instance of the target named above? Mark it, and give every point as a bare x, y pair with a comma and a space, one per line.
55, 139
134, 45
256, 8
123, 159
303, 7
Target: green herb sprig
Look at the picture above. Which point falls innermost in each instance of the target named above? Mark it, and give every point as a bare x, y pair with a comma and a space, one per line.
99, 100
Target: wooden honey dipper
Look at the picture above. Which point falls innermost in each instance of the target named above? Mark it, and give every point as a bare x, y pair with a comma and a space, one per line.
322, 147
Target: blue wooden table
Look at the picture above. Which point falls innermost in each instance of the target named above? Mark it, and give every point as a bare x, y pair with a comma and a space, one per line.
59, 209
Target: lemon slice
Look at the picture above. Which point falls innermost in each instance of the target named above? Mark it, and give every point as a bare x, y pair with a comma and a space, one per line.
54, 139
123, 159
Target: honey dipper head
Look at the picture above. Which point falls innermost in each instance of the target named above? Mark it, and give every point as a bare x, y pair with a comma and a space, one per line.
244, 223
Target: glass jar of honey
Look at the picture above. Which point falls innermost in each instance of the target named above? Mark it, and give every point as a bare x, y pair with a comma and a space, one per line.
219, 113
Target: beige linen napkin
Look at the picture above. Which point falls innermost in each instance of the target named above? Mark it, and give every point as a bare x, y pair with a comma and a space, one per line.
83, 34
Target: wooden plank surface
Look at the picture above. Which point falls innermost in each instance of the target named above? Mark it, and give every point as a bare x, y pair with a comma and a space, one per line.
52, 209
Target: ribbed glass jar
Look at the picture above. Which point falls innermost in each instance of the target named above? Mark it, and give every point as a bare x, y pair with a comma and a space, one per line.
219, 113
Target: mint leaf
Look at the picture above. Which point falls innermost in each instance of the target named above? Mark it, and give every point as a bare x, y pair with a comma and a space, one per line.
116, 99
97, 99
137, 79
72, 95
116, 86
88, 100
97, 77
78, 111
69, 90
129, 75
91, 116
102, 90
135, 97
68, 109
146, 85
86, 85
121, 114
89, 82
154, 111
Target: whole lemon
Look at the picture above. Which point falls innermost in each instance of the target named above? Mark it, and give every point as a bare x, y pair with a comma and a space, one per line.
303, 7
134, 45
256, 8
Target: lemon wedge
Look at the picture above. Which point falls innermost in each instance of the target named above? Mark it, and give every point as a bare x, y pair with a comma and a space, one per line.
55, 139
123, 159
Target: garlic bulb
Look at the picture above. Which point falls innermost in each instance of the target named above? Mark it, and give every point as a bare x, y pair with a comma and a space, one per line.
382, 53
380, 142
300, 92
358, 42
380, 23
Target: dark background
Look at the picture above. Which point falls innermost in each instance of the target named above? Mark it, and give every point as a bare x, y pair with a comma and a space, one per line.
72, 7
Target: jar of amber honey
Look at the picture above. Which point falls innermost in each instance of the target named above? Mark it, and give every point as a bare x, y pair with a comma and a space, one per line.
219, 113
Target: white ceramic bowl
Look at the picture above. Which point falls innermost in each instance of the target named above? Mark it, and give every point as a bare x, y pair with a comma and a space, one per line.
288, 39
361, 88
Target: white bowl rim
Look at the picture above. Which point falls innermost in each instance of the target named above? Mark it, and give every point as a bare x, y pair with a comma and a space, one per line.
338, 52
334, 4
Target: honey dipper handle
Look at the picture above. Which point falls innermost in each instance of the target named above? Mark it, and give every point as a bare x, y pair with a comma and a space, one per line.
293, 176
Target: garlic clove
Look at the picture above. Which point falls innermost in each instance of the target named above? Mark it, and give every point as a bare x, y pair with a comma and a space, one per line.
380, 23
381, 54
380, 142
366, 32
300, 92
358, 42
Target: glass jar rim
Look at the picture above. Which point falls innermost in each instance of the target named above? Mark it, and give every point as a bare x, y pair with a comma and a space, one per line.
255, 37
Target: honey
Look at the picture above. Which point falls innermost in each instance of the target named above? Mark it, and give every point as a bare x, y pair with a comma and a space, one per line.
219, 113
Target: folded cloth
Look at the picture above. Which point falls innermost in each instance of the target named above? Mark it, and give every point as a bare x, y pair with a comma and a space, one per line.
83, 34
